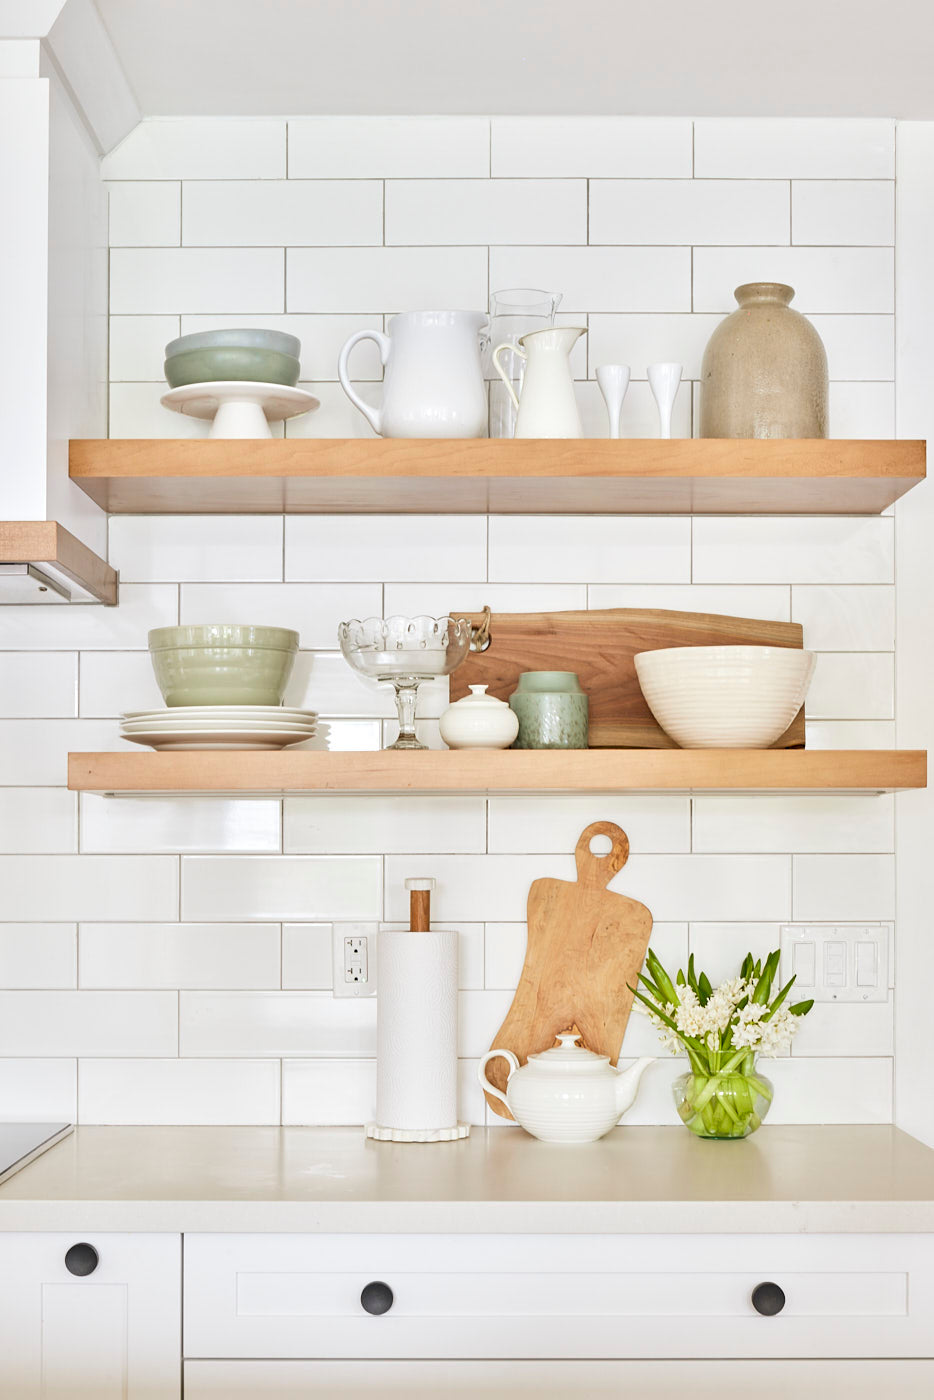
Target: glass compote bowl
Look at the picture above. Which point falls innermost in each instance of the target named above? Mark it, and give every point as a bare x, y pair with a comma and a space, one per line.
404, 651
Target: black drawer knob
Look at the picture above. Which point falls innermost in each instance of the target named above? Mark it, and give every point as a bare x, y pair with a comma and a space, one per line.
376, 1298
768, 1299
81, 1260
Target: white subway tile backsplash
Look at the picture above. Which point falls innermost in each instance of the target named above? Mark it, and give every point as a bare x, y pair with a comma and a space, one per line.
858, 347
145, 214
189, 148
621, 147
853, 685
160, 281
238, 1092
602, 279
479, 1017
33, 685
196, 548
34, 752
689, 211
170, 955
275, 1024
384, 279
504, 954
136, 412
639, 418
846, 618
601, 549
388, 147
257, 213
34, 956
280, 887
719, 949
47, 626
321, 336
433, 212
327, 1092
824, 279
793, 549
50, 1024
797, 148
777, 823
38, 819
307, 957
843, 211
843, 1028
554, 824
38, 1091
337, 417
771, 603
323, 681
830, 1090
436, 598
652, 338
113, 682
65, 887
850, 734
382, 825
314, 610
137, 346
854, 888
862, 410
403, 548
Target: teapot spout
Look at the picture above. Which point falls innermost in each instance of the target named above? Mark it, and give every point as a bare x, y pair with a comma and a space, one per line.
627, 1083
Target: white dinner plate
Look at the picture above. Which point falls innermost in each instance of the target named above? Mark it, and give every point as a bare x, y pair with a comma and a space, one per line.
222, 712
180, 742
135, 725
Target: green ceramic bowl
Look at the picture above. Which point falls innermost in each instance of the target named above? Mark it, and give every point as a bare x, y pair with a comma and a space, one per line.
223, 663
223, 362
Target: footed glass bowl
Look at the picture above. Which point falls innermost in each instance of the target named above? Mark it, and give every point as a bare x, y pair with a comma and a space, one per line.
403, 652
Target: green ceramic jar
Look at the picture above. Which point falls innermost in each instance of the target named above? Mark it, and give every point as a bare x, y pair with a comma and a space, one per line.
552, 710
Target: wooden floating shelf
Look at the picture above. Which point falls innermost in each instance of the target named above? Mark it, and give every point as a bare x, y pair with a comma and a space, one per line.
509, 771
68, 561
477, 475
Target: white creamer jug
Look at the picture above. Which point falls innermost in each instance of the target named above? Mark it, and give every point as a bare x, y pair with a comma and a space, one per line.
547, 405
433, 385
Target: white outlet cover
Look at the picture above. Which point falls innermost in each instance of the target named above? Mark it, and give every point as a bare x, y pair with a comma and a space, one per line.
836, 962
339, 934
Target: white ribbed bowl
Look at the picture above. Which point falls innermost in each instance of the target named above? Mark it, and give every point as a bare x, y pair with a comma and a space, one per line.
725, 697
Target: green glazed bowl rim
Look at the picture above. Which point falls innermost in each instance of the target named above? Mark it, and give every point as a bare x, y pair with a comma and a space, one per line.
550, 683
236, 338
222, 634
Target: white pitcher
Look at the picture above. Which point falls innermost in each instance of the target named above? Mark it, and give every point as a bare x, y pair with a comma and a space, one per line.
547, 406
433, 385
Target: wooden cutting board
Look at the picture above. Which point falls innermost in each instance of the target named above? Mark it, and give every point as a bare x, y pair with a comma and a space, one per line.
585, 944
599, 646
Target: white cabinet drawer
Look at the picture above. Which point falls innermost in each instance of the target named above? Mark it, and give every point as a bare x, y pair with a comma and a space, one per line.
556, 1380
299, 1296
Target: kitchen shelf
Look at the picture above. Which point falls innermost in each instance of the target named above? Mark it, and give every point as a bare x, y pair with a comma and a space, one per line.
502, 771
476, 475
62, 560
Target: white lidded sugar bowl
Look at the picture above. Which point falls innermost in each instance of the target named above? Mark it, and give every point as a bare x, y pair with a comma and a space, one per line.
566, 1094
479, 721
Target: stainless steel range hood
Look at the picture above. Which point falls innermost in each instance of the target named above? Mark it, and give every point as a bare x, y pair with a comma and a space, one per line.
42, 562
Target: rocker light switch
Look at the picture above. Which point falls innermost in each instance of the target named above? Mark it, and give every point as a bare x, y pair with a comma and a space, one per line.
836, 962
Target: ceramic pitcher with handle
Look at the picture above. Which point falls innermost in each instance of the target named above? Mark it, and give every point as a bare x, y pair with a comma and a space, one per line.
433, 385
547, 406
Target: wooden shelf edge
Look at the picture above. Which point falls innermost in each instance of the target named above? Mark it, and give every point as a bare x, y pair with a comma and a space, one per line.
510, 771
47, 542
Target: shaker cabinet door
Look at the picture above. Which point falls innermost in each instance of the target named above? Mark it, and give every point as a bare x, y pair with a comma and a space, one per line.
90, 1317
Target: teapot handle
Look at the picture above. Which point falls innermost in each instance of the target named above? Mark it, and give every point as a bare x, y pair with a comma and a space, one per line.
481, 1071
516, 350
373, 416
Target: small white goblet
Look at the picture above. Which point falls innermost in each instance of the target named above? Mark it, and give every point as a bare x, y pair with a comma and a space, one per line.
613, 381
665, 380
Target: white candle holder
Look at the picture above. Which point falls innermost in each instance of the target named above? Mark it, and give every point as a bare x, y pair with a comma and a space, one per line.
614, 383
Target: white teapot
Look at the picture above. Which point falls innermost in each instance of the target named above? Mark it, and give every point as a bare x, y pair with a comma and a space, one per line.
566, 1094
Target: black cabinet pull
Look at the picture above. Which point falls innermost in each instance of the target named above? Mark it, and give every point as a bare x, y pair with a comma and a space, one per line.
376, 1298
81, 1260
768, 1299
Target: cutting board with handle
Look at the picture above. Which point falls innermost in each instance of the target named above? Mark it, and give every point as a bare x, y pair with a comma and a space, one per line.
585, 944
599, 646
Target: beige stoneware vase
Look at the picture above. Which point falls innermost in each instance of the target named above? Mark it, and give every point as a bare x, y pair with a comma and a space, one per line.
764, 373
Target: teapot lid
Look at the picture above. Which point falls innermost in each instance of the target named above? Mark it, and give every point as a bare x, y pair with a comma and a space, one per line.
569, 1055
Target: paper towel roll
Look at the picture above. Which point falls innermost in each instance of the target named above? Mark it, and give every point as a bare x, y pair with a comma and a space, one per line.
416, 1030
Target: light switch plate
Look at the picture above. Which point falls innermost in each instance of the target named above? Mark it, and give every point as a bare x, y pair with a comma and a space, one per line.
354, 952
836, 962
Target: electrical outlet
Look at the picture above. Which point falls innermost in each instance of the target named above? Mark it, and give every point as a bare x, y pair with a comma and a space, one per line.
354, 957
836, 962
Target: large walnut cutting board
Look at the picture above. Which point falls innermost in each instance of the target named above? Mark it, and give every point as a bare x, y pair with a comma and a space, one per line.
585, 944
600, 646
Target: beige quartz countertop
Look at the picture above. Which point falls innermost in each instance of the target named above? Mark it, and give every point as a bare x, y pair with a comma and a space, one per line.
635, 1180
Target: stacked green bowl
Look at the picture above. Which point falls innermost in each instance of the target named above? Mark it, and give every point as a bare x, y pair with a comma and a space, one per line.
261, 357
223, 663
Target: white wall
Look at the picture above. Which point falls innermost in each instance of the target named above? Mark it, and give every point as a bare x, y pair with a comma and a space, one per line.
166, 960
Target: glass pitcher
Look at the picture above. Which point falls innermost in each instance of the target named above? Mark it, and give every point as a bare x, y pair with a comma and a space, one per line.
512, 314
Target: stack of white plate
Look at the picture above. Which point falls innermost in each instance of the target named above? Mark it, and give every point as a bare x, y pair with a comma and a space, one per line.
219, 727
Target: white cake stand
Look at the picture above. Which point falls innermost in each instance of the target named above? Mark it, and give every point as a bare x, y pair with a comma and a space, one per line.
240, 408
